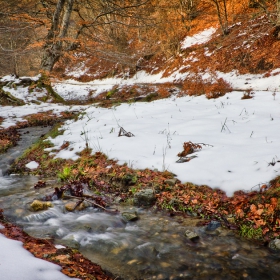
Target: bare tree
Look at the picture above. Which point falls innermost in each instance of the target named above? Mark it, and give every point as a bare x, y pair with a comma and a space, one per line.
188, 9
272, 9
15, 36
222, 13
74, 19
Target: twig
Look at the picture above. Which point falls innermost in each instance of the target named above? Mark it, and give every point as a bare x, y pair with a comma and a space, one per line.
185, 159
224, 125
123, 132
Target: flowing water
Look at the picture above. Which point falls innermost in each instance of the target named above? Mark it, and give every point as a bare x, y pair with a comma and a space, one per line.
153, 247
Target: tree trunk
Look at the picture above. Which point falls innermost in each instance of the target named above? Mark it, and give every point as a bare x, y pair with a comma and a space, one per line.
278, 19
53, 48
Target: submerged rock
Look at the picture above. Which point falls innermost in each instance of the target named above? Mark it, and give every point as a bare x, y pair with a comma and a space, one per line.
38, 205
213, 225
191, 235
130, 216
144, 197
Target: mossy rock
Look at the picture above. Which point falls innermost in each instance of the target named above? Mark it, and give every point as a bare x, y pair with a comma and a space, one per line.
38, 205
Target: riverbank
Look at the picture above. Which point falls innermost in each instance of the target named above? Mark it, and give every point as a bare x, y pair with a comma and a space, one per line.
214, 158
146, 153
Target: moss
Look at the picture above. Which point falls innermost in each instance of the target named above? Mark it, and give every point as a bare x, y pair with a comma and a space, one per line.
65, 174
6, 98
38, 205
248, 231
111, 92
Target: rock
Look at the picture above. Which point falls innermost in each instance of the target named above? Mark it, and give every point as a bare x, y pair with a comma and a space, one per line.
38, 205
274, 244
144, 197
70, 242
24, 82
191, 235
71, 206
146, 250
230, 219
130, 216
171, 182
51, 182
213, 225
118, 199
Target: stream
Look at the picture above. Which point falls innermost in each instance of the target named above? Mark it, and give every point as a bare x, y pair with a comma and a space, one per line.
153, 247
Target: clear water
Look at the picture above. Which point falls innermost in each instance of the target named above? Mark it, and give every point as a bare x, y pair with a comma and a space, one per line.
154, 247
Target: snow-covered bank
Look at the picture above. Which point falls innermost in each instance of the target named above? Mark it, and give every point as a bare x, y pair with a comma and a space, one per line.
243, 137
18, 264
71, 89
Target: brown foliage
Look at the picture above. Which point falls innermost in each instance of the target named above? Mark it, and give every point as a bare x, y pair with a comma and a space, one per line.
189, 148
218, 89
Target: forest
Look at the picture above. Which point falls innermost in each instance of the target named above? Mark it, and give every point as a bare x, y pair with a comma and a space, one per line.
51, 35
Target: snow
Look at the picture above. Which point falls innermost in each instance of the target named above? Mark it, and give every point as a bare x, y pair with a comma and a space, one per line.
18, 264
199, 38
32, 165
238, 154
13, 114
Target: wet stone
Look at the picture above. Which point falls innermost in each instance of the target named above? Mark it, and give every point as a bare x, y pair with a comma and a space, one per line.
130, 216
70, 242
191, 235
71, 206
146, 250
213, 225
274, 244
38, 205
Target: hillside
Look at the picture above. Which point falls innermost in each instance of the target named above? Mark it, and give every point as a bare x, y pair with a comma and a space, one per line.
251, 47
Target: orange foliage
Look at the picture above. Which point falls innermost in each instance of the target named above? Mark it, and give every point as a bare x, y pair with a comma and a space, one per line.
189, 148
217, 89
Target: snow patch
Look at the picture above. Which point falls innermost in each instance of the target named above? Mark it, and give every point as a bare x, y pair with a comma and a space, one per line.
32, 165
199, 38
